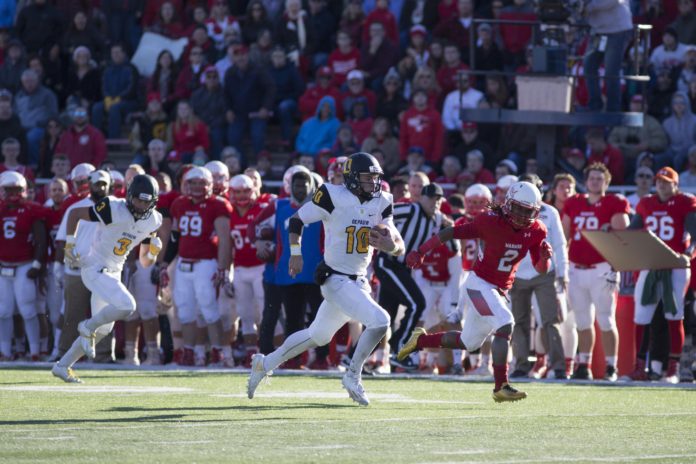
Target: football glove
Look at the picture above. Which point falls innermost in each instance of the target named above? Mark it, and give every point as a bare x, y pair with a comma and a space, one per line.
71, 257
154, 248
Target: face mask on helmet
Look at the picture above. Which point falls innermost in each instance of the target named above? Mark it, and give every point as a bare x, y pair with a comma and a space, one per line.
81, 186
519, 215
14, 195
522, 204
363, 176
476, 205
198, 188
242, 197
220, 183
142, 196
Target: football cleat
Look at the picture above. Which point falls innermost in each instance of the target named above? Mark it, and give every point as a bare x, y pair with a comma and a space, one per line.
131, 358
152, 360
351, 382
407, 364
411, 344
672, 375
257, 374
686, 375
639, 374
65, 373
610, 373
484, 370
519, 373
583, 372
508, 393
557, 374
87, 340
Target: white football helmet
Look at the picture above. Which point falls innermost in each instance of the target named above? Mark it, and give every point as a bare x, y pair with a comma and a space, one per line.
476, 199
118, 182
221, 176
198, 183
522, 204
15, 181
79, 176
287, 177
242, 187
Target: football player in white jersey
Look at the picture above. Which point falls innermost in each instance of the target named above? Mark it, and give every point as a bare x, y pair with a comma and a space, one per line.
123, 224
350, 214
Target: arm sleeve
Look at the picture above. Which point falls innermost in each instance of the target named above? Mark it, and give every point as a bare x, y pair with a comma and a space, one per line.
465, 231
454, 265
101, 212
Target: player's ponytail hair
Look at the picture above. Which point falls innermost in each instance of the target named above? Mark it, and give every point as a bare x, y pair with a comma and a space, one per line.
495, 208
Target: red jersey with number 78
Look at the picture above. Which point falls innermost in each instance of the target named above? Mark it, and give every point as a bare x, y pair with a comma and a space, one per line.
503, 246
666, 219
590, 216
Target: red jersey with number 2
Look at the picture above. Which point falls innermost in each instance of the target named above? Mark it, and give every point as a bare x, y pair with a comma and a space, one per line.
666, 219
586, 216
17, 227
196, 224
244, 249
503, 246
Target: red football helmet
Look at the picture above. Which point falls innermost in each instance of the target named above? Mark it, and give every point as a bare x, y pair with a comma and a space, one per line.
221, 176
242, 190
477, 199
198, 183
14, 187
522, 204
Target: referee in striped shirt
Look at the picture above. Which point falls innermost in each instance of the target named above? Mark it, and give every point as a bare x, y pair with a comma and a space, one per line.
417, 222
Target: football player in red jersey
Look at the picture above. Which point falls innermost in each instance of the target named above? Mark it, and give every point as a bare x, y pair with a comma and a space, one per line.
508, 232
22, 256
248, 268
201, 238
670, 215
593, 284
261, 197
221, 178
79, 179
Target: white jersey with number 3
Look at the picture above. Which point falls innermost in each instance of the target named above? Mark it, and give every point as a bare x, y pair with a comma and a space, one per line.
118, 233
347, 224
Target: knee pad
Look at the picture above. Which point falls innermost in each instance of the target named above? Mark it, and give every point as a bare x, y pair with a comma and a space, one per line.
320, 337
186, 314
104, 330
606, 321
210, 314
147, 312
124, 302
381, 319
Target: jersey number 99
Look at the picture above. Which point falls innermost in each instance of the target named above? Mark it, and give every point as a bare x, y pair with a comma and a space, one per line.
191, 225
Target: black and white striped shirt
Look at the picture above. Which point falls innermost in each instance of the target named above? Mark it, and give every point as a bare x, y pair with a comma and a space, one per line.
415, 227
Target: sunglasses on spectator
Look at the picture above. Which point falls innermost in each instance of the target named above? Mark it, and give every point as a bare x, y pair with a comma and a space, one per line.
644, 176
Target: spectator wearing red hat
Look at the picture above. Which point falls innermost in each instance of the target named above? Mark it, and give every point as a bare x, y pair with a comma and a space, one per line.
421, 126
356, 89
632, 141
417, 14
386, 18
456, 29
603, 152
377, 55
208, 103
152, 124
188, 135
323, 87
82, 142
447, 75
191, 75
343, 59
418, 47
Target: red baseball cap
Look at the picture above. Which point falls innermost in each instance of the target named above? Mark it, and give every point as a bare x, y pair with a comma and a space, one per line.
418, 29
668, 174
324, 71
152, 96
469, 125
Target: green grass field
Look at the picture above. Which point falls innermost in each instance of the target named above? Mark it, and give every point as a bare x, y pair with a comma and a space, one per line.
193, 417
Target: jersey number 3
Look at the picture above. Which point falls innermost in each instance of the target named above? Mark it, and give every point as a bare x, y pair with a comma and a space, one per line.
357, 239
123, 248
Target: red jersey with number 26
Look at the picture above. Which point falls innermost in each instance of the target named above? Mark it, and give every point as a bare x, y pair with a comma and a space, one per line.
586, 216
666, 220
244, 250
196, 224
503, 246
16, 235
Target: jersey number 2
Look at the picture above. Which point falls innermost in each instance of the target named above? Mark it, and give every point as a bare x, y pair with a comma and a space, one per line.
357, 240
505, 263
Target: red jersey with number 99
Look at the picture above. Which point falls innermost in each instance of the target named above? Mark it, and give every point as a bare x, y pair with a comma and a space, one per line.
666, 220
196, 224
469, 247
503, 246
586, 216
244, 250
16, 235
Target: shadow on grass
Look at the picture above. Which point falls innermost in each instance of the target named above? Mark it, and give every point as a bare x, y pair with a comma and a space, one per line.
283, 407
154, 418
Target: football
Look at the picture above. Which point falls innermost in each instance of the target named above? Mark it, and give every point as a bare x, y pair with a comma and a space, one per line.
380, 229
265, 251
266, 233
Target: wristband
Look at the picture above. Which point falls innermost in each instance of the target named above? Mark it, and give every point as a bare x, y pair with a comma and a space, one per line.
36, 264
70, 239
151, 257
296, 250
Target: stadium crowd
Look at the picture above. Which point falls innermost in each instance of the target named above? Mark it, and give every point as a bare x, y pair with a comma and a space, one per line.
278, 92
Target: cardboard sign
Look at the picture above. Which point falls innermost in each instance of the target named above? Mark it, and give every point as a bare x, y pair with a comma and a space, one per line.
633, 250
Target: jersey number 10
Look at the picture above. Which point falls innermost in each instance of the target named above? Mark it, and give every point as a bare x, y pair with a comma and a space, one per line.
357, 240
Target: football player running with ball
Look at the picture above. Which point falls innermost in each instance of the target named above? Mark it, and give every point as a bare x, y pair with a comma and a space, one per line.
357, 218
122, 225
507, 233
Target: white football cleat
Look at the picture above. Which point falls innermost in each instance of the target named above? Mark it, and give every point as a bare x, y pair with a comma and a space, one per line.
483, 370
65, 373
87, 340
351, 382
257, 374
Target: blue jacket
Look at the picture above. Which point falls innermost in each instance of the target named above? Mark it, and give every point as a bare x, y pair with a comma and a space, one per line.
120, 80
311, 254
288, 82
248, 91
316, 134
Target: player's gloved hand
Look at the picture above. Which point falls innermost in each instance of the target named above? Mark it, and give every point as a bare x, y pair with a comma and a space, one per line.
155, 274
414, 260
163, 277
220, 278
35, 270
72, 257
685, 260
154, 248
228, 288
545, 250
456, 314
612, 280
58, 274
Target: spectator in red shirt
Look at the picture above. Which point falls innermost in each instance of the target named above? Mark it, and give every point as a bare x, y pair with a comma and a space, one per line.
310, 98
187, 134
10, 155
446, 10
447, 74
602, 152
153, 9
343, 59
82, 142
421, 125
456, 29
190, 76
356, 89
382, 15
360, 120
474, 167
418, 46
